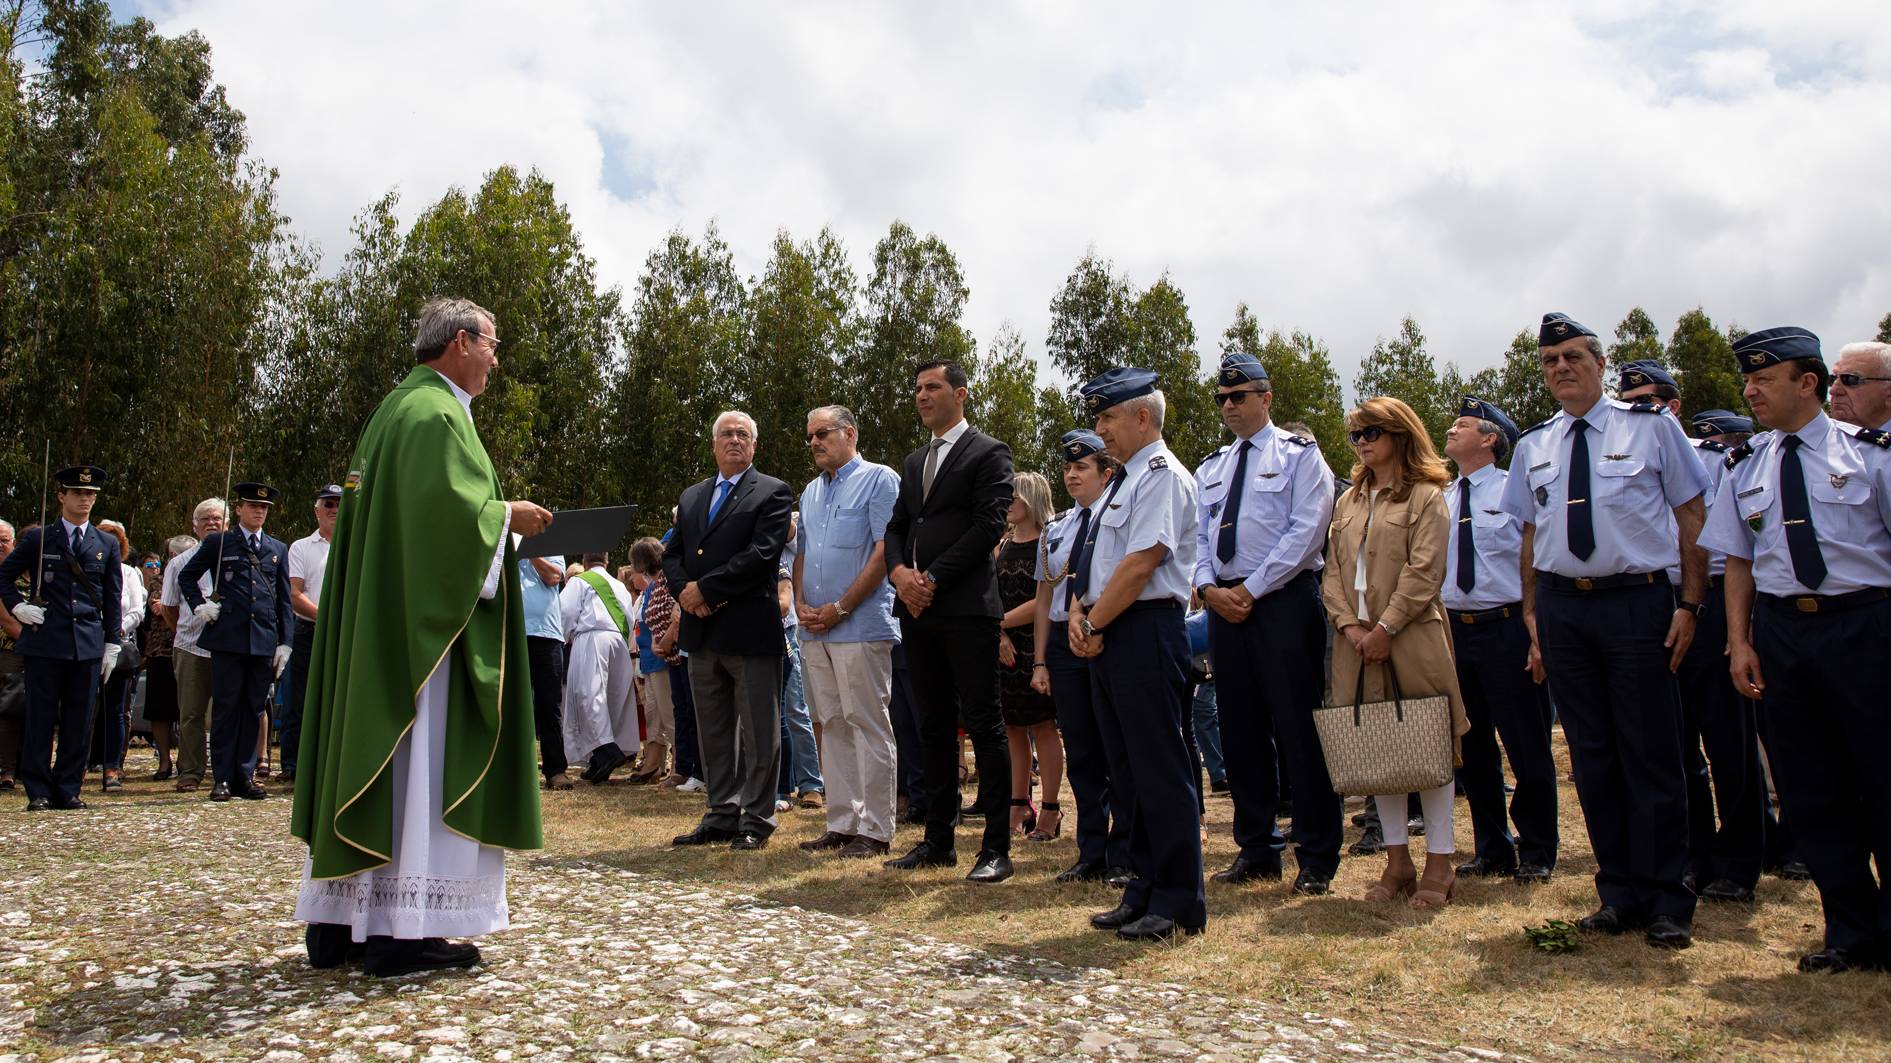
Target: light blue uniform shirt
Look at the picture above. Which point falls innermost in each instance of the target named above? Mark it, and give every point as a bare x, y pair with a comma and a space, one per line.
1641, 465
842, 517
1848, 490
1496, 538
1055, 546
543, 618
1155, 506
1284, 513
1713, 463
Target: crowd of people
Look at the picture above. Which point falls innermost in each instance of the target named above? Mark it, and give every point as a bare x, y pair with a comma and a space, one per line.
1668, 591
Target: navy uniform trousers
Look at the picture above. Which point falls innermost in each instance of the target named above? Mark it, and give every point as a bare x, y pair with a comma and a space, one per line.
1269, 674
239, 689
1728, 779
1103, 810
1827, 724
59, 694
1503, 702
1608, 672
1140, 683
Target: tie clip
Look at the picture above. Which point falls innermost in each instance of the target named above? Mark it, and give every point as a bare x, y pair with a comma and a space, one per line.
1577, 501
1797, 521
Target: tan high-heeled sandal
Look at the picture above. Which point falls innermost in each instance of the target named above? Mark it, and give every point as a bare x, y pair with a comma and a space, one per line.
1434, 893
1390, 888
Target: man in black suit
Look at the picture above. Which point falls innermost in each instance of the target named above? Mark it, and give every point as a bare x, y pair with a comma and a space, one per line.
949, 517
721, 564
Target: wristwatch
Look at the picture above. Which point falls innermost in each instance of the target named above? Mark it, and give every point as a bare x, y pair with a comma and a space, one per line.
1202, 591
841, 612
1087, 627
1697, 608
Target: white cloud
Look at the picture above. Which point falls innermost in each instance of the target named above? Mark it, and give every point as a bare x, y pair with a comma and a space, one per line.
1471, 164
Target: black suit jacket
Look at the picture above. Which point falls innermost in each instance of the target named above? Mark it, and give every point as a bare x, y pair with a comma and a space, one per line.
951, 533
733, 562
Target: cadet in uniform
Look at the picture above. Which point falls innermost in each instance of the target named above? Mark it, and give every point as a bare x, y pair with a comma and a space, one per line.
1804, 517
1483, 597
76, 582
1264, 504
1103, 810
1594, 485
1724, 855
1129, 591
250, 645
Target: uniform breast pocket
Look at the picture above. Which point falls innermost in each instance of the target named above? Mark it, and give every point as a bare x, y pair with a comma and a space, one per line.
850, 527
1213, 497
1542, 486
1624, 484
1841, 506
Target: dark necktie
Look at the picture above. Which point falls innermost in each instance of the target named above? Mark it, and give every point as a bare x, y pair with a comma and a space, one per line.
1467, 550
1581, 527
1076, 549
78, 541
932, 467
1231, 513
1802, 540
254, 543
715, 504
1086, 545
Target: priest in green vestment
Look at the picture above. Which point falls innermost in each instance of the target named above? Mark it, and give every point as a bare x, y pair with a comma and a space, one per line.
417, 760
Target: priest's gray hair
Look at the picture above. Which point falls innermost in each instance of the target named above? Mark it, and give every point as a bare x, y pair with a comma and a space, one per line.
209, 506
738, 414
441, 319
1882, 350
1155, 402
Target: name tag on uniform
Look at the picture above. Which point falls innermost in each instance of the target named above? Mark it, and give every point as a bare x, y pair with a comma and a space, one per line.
1543, 465
1750, 492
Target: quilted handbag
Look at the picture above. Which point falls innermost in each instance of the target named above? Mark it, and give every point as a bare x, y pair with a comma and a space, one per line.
1399, 746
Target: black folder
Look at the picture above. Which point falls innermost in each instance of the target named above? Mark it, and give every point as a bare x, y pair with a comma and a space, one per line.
575, 532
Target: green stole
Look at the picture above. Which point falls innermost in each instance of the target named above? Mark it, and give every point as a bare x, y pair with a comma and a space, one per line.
598, 583
422, 516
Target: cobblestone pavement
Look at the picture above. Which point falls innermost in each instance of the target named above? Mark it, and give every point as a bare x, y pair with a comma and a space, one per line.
161, 931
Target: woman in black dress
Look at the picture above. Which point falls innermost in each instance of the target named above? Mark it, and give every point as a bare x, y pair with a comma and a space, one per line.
1030, 717
160, 682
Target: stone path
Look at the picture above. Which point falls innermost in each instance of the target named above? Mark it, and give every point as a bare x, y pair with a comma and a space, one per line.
161, 931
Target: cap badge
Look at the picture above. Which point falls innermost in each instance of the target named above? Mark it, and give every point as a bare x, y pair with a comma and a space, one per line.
1562, 329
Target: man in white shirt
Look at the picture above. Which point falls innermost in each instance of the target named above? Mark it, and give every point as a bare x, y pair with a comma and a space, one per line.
191, 664
308, 559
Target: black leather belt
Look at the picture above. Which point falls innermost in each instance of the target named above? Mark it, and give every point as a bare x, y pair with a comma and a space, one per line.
1485, 616
1152, 603
1586, 584
1826, 603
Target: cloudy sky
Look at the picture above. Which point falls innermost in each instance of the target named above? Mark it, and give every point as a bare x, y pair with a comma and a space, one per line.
1336, 166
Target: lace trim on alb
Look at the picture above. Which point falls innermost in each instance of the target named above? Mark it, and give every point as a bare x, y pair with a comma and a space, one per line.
414, 893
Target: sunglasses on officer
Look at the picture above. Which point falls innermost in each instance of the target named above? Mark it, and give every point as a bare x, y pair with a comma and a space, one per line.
1852, 380
1369, 434
1223, 398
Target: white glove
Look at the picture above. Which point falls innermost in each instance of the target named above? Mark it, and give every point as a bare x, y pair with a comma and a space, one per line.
282, 660
30, 615
111, 657
207, 612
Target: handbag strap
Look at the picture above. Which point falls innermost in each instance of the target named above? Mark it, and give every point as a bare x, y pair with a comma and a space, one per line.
1359, 692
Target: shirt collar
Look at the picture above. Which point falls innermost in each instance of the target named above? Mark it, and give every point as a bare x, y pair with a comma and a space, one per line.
737, 478
460, 393
1813, 432
71, 527
953, 433
1261, 435
1594, 416
844, 471
1481, 476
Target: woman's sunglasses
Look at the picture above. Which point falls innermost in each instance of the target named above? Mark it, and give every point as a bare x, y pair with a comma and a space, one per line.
1368, 434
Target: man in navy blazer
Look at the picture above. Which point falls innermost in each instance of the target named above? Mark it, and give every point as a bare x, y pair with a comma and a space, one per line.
250, 627
69, 636
721, 565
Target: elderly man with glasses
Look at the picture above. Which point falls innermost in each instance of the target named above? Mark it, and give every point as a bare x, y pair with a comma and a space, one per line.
1861, 385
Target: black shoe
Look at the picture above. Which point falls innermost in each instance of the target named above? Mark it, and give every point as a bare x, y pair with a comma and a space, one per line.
1360, 819
1116, 918
286, 776
1667, 932
1082, 872
923, 855
1311, 883
598, 773
1153, 928
1118, 877
1415, 826
412, 957
1482, 867
1828, 961
1531, 874
989, 867
220, 792
1606, 920
1794, 871
1373, 841
38, 804
331, 945
832, 839
704, 836
68, 804
1246, 870
748, 841
1726, 889
1691, 882
913, 816
1218, 786
252, 793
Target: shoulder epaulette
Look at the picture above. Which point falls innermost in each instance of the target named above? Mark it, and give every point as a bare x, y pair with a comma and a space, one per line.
1647, 407
1877, 437
1303, 441
1534, 427
1158, 462
1712, 444
1739, 453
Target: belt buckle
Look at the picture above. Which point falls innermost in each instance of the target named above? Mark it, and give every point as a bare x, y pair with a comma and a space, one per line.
1467, 618
1584, 583
1806, 603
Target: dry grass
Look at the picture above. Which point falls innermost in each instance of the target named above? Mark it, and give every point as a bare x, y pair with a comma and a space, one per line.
1464, 975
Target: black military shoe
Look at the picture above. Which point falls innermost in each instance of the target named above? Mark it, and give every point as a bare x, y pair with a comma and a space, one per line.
1218, 786
1667, 932
923, 855
704, 836
252, 793
1606, 920
1154, 928
1246, 870
1482, 867
1081, 872
748, 841
1827, 961
1311, 883
989, 867
913, 816
68, 804
1116, 918
38, 804
1532, 874
1727, 890
1118, 877
1373, 841
220, 792
1794, 871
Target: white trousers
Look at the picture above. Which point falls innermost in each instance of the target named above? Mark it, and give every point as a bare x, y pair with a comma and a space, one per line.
1439, 830
848, 686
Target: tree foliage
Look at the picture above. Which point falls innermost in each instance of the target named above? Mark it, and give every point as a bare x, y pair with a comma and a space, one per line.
1637, 339
1702, 360
914, 314
1402, 368
1884, 329
1300, 369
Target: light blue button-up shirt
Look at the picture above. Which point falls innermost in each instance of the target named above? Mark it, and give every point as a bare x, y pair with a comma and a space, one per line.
1496, 538
1055, 547
1155, 506
1284, 513
843, 515
1641, 465
540, 601
1713, 464
1848, 491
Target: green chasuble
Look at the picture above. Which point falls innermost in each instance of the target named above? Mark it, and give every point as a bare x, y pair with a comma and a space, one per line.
421, 517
